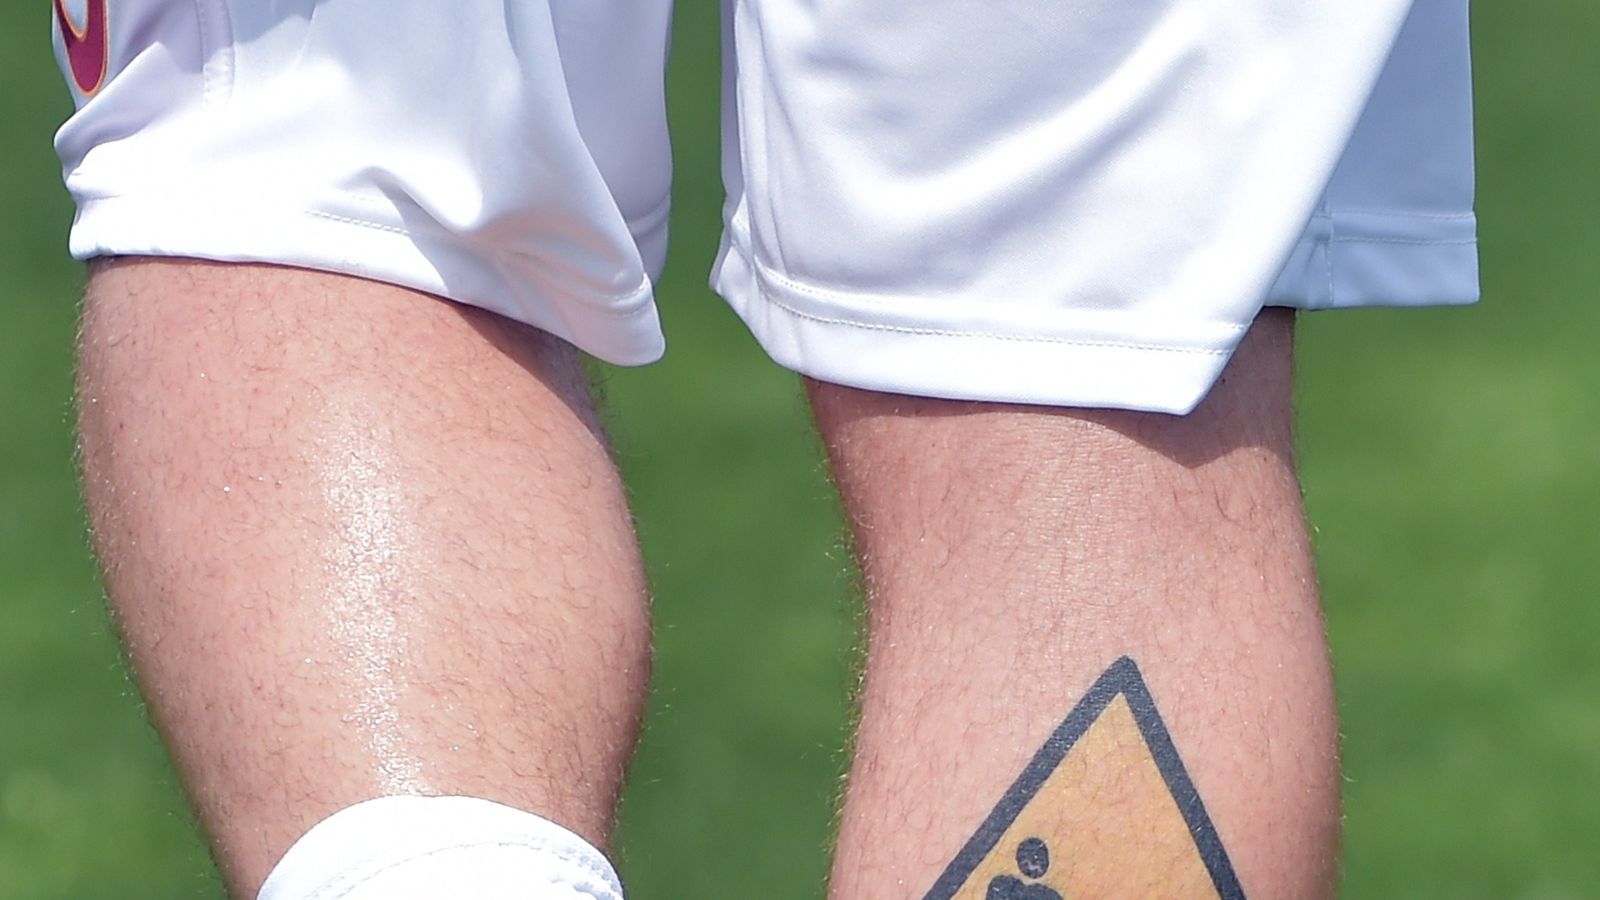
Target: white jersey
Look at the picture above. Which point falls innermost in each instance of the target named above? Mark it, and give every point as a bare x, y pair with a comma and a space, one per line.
1070, 202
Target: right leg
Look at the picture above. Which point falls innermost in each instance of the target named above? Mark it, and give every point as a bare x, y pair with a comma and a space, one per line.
359, 542
1093, 632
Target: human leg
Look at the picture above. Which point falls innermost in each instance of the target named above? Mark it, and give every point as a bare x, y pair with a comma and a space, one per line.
1012, 556
359, 542
914, 210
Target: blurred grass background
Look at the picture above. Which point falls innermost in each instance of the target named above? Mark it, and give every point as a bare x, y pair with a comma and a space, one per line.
1451, 461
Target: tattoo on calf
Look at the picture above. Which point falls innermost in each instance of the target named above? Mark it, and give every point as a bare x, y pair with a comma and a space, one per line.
1105, 808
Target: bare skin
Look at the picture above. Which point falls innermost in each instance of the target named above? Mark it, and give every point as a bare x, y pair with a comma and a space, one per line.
359, 542
1012, 556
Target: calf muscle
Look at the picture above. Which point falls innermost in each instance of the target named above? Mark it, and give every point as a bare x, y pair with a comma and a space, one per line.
1023, 565
358, 542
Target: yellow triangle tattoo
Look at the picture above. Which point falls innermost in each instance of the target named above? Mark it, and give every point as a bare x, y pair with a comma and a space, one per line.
1105, 810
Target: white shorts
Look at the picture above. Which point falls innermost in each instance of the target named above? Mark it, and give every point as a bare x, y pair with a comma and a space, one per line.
1071, 202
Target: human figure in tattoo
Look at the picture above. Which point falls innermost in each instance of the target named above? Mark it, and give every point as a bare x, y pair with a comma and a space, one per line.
1033, 861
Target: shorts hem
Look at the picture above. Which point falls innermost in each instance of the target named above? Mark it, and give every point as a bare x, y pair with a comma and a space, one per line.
1107, 360
622, 328
1086, 357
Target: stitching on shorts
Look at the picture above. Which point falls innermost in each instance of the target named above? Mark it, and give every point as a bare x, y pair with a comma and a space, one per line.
392, 229
1448, 217
629, 300
364, 200
205, 48
761, 272
1404, 241
1326, 249
595, 303
787, 283
231, 65
1020, 338
214, 46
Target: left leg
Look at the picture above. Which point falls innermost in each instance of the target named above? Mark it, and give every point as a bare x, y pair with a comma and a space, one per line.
360, 542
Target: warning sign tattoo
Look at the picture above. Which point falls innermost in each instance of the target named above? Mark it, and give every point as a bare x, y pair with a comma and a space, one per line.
1104, 810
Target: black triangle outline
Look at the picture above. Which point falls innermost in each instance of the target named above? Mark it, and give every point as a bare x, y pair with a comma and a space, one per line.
1122, 678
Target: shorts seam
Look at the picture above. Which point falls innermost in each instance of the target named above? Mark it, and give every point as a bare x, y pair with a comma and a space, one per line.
1327, 256
784, 281
362, 199
1453, 242
497, 252
203, 26
763, 273
216, 77
626, 302
1019, 338
378, 226
1448, 217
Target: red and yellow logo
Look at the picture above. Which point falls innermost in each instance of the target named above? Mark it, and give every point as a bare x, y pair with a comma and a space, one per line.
88, 47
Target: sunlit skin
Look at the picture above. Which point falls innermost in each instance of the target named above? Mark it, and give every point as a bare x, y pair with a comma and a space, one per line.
359, 542
1011, 554
362, 542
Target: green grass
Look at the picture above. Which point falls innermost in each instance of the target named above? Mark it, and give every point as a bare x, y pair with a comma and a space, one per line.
1452, 468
